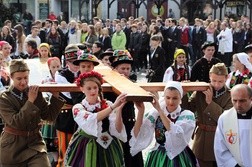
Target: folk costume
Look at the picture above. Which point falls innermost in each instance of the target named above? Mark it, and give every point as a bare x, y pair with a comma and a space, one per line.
240, 77
171, 147
176, 72
95, 143
128, 112
233, 139
83, 57
21, 141
65, 124
200, 70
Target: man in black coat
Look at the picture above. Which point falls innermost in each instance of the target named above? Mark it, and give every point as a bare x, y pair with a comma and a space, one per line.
174, 38
198, 38
135, 46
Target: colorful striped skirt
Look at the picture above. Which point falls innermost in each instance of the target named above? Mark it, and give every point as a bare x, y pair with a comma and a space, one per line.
159, 158
84, 151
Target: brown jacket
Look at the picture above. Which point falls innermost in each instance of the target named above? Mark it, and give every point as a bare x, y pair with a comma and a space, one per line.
206, 115
24, 116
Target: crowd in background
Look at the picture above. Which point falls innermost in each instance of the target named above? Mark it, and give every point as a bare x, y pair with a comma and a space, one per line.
165, 49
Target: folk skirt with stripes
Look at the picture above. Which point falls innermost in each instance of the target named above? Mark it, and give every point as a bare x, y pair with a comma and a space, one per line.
159, 158
84, 151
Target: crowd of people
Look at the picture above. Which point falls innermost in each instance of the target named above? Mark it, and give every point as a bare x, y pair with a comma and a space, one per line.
95, 128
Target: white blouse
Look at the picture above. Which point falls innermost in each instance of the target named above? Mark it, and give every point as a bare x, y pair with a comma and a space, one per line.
177, 138
87, 121
168, 75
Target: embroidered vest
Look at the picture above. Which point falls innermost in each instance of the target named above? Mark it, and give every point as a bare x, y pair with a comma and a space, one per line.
160, 129
240, 79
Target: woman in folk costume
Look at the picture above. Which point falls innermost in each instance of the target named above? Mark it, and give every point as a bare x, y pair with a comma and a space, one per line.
173, 128
242, 70
179, 70
96, 142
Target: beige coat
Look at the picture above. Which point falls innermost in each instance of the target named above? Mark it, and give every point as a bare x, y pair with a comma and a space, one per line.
25, 116
207, 115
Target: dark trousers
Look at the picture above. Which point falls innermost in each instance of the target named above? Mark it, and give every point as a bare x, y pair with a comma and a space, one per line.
226, 58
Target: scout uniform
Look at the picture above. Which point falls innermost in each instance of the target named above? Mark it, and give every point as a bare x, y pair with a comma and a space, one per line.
21, 141
207, 116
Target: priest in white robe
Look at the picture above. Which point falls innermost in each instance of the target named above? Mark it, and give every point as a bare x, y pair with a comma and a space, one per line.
233, 137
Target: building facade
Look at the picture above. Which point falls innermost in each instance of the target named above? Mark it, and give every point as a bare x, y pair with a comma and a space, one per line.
84, 10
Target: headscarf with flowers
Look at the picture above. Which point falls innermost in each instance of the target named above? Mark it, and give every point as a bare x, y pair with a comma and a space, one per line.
242, 78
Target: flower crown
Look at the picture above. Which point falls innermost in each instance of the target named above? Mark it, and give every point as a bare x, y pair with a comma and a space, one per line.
87, 75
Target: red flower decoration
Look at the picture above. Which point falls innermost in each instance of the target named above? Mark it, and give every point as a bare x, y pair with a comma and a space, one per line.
75, 112
250, 84
87, 75
86, 116
104, 138
245, 72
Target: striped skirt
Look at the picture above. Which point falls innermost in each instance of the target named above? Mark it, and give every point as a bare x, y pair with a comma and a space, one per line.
84, 151
159, 158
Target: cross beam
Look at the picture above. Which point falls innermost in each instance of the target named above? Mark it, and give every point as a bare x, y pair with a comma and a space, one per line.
106, 87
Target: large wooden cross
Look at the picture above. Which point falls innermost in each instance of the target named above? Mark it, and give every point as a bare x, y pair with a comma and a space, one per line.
114, 82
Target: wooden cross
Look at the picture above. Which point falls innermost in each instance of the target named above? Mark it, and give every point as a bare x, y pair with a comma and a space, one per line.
115, 82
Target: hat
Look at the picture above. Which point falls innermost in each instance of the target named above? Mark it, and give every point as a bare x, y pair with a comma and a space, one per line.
81, 46
44, 45
176, 85
71, 52
207, 44
86, 57
178, 52
18, 65
244, 59
248, 48
219, 69
133, 25
120, 57
108, 52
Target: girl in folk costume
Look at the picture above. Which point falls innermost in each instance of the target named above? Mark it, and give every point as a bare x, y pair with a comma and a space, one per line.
96, 142
179, 70
48, 129
173, 128
54, 65
242, 70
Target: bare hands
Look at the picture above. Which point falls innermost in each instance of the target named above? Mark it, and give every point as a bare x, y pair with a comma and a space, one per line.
155, 102
209, 95
120, 100
55, 94
33, 93
140, 106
